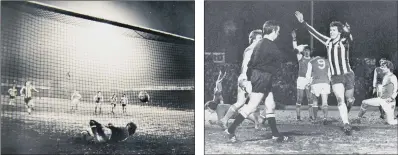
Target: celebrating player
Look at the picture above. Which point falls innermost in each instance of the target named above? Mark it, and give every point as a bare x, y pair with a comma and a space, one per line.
387, 97
377, 79
124, 100
342, 76
13, 93
75, 98
318, 73
244, 86
26, 92
113, 102
264, 63
98, 101
303, 57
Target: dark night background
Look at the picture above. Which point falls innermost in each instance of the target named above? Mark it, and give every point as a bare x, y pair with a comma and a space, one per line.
373, 25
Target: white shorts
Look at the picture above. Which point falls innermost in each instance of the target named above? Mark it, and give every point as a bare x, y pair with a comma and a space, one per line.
302, 82
320, 88
241, 98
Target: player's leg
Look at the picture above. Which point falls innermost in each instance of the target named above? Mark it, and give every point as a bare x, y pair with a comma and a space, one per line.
254, 101
366, 103
338, 90
310, 103
29, 105
222, 110
241, 99
349, 90
389, 108
254, 118
269, 114
300, 95
314, 107
378, 92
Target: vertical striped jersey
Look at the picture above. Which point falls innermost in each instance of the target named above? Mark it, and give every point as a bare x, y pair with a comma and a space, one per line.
338, 53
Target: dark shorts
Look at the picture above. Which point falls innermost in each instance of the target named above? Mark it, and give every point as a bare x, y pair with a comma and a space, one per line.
348, 80
123, 105
12, 97
261, 82
27, 100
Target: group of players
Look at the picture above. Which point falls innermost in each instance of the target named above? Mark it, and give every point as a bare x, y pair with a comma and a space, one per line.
316, 75
26, 93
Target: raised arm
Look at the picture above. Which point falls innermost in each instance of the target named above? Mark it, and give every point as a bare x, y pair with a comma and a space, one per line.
322, 38
295, 48
35, 89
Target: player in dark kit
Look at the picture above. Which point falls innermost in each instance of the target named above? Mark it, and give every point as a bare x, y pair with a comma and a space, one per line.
377, 79
338, 47
264, 63
99, 133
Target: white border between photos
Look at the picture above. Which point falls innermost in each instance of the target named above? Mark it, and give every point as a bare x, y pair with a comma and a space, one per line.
199, 77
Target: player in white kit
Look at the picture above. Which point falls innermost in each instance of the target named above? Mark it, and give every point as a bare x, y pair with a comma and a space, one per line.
75, 98
387, 97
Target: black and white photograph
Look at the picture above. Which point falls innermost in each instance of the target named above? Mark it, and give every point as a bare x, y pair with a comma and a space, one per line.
300, 77
97, 77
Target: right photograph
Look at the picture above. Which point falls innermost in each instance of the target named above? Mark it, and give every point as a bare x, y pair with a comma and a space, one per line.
309, 77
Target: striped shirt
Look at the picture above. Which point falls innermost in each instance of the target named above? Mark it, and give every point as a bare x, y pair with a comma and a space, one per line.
338, 53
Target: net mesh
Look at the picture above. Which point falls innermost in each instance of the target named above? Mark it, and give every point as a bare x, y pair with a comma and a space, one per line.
61, 53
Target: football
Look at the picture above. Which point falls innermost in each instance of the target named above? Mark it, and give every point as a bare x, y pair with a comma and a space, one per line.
143, 96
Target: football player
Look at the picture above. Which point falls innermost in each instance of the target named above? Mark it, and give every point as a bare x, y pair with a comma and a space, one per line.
387, 96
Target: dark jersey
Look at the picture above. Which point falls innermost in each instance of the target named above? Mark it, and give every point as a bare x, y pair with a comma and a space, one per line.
266, 57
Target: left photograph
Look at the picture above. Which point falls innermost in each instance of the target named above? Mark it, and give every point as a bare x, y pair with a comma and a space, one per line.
97, 77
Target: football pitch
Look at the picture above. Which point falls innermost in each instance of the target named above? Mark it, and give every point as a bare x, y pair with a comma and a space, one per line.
372, 136
52, 126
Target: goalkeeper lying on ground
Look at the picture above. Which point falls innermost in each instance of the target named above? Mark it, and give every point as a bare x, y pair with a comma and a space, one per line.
99, 133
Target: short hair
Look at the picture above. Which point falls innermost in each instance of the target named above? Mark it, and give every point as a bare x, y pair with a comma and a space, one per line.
338, 24
253, 34
389, 65
269, 26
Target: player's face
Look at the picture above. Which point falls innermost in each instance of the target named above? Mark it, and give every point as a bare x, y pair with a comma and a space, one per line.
258, 38
382, 62
384, 68
334, 32
307, 53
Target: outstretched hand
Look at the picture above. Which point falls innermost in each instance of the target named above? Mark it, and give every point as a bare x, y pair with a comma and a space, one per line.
299, 16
